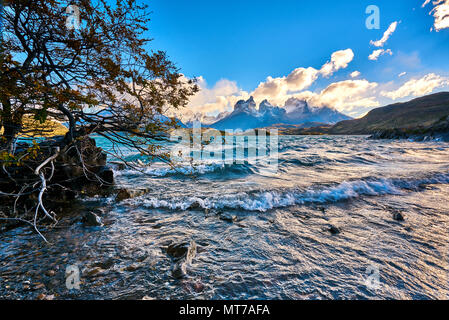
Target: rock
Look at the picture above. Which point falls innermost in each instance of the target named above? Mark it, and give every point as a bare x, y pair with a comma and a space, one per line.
198, 287
108, 263
93, 272
227, 217
191, 252
50, 273
39, 286
107, 174
147, 298
178, 251
41, 296
195, 206
179, 270
333, 229
132, 267
182, 250
124, 194
183, 254
92, 220
398, 216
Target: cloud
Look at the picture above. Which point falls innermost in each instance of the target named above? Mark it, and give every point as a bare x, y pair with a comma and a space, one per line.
391, 29
441, 14
377, 53
277, 90
343, 95
221, 97
355, 74
339, 60
402, 74
425, 3
418, 87
225, 93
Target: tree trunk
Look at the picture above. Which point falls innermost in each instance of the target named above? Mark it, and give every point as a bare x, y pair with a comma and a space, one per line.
11, 123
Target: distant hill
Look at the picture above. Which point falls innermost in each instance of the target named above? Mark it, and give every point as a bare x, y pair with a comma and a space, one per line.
49, 128
420, 112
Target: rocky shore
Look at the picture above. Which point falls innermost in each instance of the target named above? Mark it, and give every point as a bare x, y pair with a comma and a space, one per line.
439, 131
77, 168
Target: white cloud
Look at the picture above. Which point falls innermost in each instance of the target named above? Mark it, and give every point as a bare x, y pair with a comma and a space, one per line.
425, 3
277, 90
343, 95
339, 60
355, 74
377, 53
221, 97
418, 87
441, 14
391, 29
299, 79
402, 74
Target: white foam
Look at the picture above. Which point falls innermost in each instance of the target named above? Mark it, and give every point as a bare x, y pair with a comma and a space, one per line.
267, 200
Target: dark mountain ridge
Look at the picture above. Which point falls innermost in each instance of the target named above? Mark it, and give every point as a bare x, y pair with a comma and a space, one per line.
420, 112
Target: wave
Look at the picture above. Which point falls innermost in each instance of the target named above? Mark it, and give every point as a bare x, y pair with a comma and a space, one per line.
267, 200
220, 168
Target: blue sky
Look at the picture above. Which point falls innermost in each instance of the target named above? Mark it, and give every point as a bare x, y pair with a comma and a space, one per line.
235, 45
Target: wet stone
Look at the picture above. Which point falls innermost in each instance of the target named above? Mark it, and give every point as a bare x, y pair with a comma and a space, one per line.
398, 216
333, 229
92, 220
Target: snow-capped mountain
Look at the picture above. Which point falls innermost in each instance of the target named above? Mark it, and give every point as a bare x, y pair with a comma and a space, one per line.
245, 115
206, 120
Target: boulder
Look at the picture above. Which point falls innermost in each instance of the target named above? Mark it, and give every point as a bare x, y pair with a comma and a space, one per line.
124, 194
92, 220
333, 229
398, 216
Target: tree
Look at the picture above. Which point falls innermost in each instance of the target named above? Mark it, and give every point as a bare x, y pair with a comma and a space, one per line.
50, 68
97, 76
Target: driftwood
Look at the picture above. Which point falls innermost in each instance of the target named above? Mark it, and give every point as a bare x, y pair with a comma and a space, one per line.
66, 171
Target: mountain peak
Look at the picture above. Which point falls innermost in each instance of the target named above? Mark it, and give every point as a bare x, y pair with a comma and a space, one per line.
248, 106
245, 115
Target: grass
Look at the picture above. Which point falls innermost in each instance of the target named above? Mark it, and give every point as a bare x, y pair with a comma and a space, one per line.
47, 129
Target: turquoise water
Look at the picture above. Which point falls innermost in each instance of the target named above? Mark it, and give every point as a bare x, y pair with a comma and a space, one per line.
257, 234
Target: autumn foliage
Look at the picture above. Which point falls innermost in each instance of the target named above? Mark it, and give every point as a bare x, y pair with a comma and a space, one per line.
98, 77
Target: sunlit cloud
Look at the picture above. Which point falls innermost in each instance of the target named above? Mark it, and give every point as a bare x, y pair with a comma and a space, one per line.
221, 97
377, 53
440, 12
387, 34
418, 87
339, 60
402, 74
425, 3
343, 95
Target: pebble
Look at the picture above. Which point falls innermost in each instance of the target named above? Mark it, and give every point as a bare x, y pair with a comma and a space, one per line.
398, 216
333, 229
50, 273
